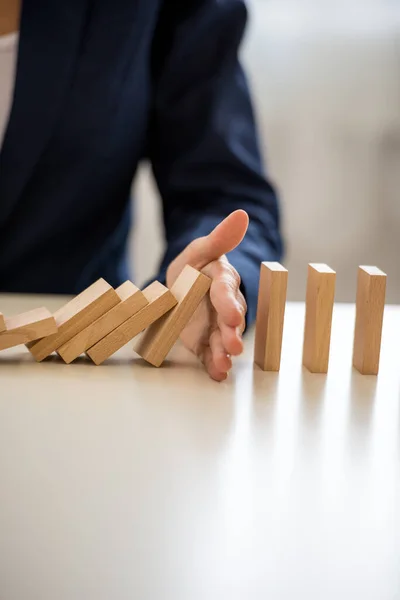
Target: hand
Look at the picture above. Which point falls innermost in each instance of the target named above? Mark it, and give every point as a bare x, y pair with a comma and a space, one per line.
214, 333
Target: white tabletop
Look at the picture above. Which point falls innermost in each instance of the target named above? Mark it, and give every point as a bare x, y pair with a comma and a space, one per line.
124, 482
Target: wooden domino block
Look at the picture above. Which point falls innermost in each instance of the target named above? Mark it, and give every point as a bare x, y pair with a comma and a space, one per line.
77, 314
2, 323
370, 305
27, 327
319, 307
131, 301
189, 289
270, 316
160, 301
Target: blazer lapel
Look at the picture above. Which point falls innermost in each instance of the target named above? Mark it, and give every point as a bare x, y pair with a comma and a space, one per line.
51, 32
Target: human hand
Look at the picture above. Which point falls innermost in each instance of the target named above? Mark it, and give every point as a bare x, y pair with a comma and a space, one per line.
214, 333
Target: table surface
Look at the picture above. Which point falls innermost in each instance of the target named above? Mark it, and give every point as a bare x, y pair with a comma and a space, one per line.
128, 482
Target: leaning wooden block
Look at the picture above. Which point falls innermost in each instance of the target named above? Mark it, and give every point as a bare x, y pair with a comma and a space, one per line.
2, 323
160, 300
270, 316
131, 301
77, 314
189, 289
319, 307
370, 305
27, 327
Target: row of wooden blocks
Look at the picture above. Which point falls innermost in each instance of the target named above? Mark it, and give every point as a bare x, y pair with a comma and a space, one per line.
101, 320
370, 304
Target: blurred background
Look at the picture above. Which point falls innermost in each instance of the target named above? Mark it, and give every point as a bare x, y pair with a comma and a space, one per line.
325, 77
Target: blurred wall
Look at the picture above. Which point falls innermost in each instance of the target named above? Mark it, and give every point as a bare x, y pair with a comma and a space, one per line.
326, 84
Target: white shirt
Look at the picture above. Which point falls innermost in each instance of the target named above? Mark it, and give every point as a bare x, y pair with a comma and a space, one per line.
8, 60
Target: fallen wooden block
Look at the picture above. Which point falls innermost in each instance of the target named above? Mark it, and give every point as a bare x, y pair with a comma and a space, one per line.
27, 327
270, 316
370, 305
2, 323
189, 289
160, 301
131, 301
77, 314
319, 307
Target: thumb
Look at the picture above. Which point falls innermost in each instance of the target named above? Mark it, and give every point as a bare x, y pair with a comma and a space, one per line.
223, 239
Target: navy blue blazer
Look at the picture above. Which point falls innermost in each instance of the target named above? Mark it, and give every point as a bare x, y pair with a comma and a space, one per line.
101, 85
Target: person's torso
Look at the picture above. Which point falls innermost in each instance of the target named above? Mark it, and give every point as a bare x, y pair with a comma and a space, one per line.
76, 132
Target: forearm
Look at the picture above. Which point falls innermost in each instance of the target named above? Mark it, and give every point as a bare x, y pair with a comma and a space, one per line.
203, 142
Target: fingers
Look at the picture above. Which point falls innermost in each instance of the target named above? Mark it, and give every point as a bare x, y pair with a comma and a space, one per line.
229, 304
232, 336
223, 239
224, 292
210, 366
231, 339
222, 361
242, 301
215, 358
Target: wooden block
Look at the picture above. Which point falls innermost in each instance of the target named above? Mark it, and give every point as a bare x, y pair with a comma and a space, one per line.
270, 316
27, 327
131, 301
77, 314
189, 289
370, 305
160, 300
319, 307
2, 323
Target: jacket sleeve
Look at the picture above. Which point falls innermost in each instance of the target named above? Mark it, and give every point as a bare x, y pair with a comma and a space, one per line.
203, 143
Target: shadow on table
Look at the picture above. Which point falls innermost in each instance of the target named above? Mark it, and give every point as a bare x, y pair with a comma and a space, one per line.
313, 394
264, 383
363, 390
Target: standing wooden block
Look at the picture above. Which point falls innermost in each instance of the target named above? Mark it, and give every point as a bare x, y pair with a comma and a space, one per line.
319, 307
189, 289
131, 301
2, 323
27, 327
160, 300
370, 305
270, 316
77, 314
